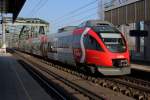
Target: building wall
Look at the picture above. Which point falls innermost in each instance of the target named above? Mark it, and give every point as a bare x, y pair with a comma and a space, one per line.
14, 29
125, 29
131, 41
125, 15
134, 12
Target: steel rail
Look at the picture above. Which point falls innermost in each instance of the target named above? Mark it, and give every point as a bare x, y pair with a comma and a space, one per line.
35, 74
82, 90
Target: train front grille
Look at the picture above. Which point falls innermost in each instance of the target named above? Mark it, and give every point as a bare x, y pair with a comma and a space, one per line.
120, 62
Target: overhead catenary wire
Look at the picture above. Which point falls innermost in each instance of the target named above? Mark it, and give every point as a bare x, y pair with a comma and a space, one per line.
29, 6
79, 20
42, 5
71, 14
38, 6
76, 14
76, 10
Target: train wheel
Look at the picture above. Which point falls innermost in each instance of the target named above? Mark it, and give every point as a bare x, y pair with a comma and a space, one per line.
91, 69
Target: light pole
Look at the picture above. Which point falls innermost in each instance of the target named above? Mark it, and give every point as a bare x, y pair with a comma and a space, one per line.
3, 34
101, 9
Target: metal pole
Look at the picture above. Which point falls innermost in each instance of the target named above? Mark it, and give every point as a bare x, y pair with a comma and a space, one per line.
3, 34
138, 39
101, 10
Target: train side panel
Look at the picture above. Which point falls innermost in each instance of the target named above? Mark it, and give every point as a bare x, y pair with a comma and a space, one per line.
60, 48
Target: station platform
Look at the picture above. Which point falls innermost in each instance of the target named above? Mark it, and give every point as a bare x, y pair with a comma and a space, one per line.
16, 83
141, 67
140, 71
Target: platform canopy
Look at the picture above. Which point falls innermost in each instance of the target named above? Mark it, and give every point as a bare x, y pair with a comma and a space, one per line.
11, 6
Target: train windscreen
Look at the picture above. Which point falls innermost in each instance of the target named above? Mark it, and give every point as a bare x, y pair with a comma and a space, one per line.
111, 37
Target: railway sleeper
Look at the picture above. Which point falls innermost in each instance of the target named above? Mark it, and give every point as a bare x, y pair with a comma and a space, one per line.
126, 91
138, 96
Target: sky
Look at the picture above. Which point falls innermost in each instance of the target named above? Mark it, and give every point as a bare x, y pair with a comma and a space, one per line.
61, 13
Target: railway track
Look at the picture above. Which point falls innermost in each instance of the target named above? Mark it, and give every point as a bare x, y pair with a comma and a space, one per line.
88, 93
132, 88
135, 88
84, 94
129, 86
56, 94
137, 81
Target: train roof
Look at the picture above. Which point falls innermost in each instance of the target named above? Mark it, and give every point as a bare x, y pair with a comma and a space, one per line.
98, 22
67, 28
64, 31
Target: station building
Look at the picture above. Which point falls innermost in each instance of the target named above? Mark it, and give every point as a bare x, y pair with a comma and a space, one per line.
129, 15
13, 30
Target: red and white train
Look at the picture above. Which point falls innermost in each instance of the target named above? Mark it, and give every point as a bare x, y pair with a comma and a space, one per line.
96, 45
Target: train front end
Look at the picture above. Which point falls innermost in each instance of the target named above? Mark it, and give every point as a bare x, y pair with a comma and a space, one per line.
110, 55
116, 59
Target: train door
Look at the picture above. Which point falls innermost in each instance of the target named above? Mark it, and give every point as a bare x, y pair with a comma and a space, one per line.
76, 47
77, 34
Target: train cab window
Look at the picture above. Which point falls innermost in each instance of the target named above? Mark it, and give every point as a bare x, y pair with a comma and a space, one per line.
104, 28
88, 24
91, 43
114, 42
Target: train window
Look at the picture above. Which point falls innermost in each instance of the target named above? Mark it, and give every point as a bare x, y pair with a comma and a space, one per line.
104, 28
91, 43
61, 42
114, 42
76, 41
65, 41
69, 42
